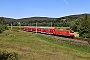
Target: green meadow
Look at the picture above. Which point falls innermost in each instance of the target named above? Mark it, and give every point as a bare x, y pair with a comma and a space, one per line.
31, 46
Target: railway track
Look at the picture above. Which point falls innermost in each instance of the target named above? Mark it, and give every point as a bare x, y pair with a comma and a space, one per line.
81, 39
65, 38
71, 39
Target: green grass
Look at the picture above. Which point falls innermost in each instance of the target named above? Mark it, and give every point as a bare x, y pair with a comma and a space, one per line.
16, 27
67, 43
32, 46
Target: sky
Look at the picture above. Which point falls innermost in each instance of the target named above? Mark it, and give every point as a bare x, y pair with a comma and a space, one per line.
42, 8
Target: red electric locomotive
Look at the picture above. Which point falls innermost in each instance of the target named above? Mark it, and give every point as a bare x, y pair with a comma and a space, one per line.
68, 33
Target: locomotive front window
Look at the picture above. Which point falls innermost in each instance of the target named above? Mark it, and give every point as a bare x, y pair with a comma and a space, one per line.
71, 31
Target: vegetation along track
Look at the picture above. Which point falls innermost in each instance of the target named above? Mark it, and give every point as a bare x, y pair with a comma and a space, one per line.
87, 41
71, 39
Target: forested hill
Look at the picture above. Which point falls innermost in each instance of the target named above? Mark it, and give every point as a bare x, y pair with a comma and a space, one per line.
28, 19
45, 21
35, 18
44, 18
9, 19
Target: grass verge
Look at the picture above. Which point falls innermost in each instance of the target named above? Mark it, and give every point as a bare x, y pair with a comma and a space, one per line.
32, 46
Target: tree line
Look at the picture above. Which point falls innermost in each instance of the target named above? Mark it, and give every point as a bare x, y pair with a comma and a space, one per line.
55, 23
82, 25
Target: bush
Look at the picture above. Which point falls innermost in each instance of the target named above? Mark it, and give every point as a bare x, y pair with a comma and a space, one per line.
8, 56
2, 28
86, 35
2, 25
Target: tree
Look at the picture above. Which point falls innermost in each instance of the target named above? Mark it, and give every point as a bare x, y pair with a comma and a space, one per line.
75, 24
2, 25
84, 29
2, 20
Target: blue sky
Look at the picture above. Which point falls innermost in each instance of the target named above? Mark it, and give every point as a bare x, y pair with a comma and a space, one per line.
49, 8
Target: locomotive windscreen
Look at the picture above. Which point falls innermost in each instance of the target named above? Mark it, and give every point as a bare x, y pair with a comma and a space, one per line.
71, 31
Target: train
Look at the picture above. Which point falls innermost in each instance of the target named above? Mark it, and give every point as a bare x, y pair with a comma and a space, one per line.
50, 31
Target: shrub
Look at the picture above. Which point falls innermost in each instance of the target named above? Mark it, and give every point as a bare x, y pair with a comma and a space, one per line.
8, 56
2, 25
2, 28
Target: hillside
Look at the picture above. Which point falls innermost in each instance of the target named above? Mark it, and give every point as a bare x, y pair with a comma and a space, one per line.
31, 46
35, 18
45, 21
9, 19
76, 16
44, 18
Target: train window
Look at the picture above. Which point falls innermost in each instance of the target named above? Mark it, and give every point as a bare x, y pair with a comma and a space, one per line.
71, 31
